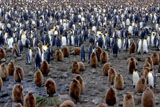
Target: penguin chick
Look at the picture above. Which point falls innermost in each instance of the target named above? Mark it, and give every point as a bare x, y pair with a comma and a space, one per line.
135, 77
68, 103
3, 71
75, 67
111, 75
81, 81
11, 68
15, 50
155, 58
106, 67
2, 53
98, 52
17, 93
75, 89
141, 85
45, 68
50, 87
81, 66
128, 100
59, 55
132, 64
38, 78
150, 61
30, 100
1, 83
133, 48
102, 105
65, 51
77, 50
119, 82
104, 57
93, 60
18, 74
150, 79
147, 65
148, 98
111, 97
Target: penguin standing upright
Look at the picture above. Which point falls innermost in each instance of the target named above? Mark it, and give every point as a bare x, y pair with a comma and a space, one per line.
37, 60
139, 46
145, 46
135, 78
29, 56
64, 41
150, 79
115, 48
82, 53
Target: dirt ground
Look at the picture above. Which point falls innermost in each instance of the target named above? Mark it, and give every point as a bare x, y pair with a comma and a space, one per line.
96, 84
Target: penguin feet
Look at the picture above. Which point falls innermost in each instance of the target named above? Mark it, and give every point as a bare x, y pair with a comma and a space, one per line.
144, 52
139, 53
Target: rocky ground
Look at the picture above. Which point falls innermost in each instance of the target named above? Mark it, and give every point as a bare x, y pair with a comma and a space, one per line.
96, 83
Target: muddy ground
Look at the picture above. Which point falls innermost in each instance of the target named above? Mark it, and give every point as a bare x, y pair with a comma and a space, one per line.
96, 83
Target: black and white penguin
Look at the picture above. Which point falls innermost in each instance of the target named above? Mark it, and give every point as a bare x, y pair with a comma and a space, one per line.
37, 59
29, 56
82, 53
115, 48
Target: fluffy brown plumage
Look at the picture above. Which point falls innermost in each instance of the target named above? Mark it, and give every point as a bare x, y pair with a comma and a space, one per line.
147, 65
59, 55
111, 97
98, 52
93, 60
133, 48
3, 71
30, 100
68, 103
75, 67
65, 51
17, 93
155, 58
45, 68
38, 78
132, 64
77, 50
11, 67
102, 105
18, 74
150, 61
141, 85
148, 98
128, 100
81, 66
2, 53
1, 83
75, 90
145, 72
104, 57
119, 82
81, 81
106, 67
50, 86
111, 75
15, 50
